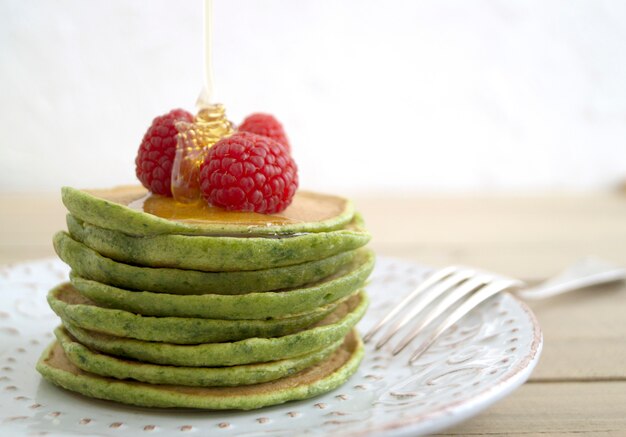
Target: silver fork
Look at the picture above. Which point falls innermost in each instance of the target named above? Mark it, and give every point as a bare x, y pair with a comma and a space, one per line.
458, 290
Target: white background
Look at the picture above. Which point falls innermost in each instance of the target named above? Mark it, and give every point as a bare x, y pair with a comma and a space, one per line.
407, 96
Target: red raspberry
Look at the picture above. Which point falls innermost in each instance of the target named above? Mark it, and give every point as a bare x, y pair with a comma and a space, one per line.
248, 172
155, 157
266, 125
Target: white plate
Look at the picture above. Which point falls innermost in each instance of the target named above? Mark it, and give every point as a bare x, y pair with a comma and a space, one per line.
480, 360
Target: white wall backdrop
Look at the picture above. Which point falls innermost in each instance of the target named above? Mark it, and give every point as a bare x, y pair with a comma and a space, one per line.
430, 95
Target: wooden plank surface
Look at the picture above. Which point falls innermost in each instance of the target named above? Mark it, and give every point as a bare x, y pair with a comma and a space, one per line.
27, 224
579, 385
528, 237
584, 334
553, 409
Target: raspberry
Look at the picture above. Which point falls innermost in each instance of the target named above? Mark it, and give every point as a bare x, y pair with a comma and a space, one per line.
248, 172
266, 125
155, 157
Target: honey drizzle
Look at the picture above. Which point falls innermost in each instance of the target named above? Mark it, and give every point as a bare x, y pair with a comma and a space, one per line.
202, 213
307, 207
193, 143
204, 99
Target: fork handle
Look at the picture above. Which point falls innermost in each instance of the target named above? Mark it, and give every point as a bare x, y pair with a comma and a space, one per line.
585, 273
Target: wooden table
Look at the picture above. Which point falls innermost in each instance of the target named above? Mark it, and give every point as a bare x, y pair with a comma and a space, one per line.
580, 382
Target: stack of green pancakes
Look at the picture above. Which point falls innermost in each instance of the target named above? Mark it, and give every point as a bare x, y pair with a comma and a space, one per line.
176, 305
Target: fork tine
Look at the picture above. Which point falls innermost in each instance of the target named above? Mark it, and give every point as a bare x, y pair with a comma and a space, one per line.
437, 290
445, 304
433, 278
472, 302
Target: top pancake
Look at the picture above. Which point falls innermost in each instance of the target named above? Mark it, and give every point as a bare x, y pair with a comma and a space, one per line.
133, 210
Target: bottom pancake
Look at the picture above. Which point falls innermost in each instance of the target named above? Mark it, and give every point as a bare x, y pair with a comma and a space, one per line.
321, 378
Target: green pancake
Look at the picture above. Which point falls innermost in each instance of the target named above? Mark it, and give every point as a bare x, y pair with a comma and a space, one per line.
76, 309
245, 306
88, 264
105, 365
315, 380
217, 253
332, 328
108, 209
